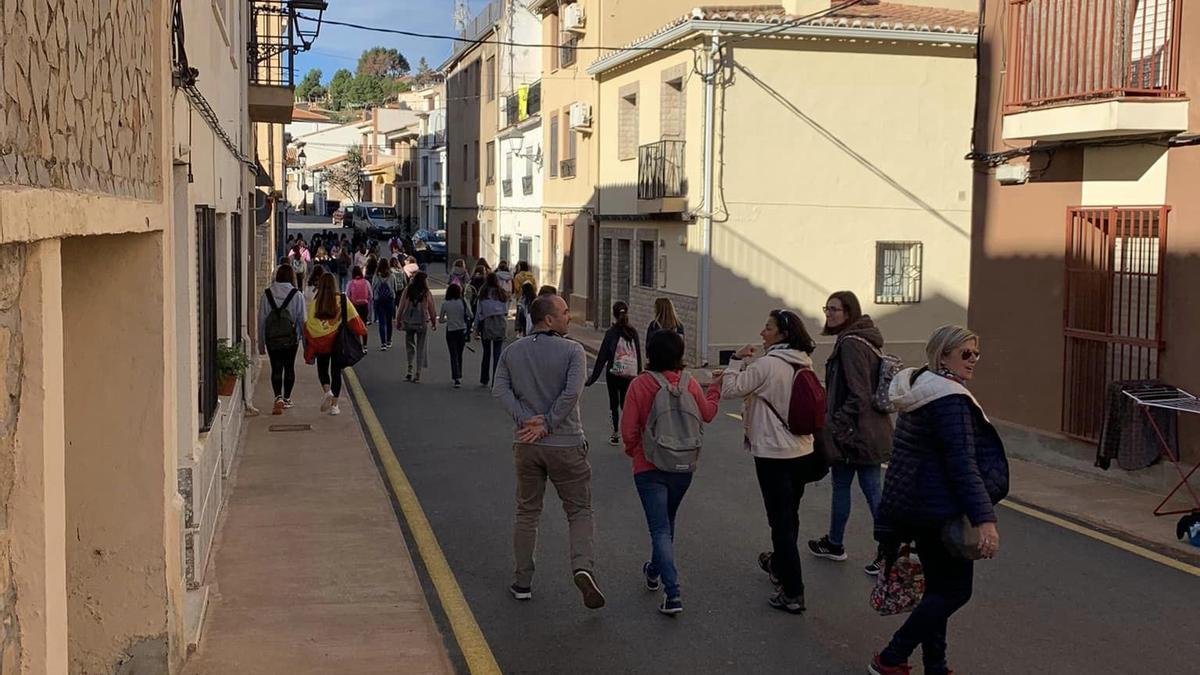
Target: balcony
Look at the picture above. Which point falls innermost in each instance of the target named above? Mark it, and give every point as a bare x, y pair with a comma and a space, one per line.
527, 185
566, 168
522, 104
506, 187
1093, 69
662, 185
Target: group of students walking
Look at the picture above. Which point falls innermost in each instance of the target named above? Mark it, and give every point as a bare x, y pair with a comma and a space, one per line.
946, 464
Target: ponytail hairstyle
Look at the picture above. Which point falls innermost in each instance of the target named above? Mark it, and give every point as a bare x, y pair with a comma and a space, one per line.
792, 327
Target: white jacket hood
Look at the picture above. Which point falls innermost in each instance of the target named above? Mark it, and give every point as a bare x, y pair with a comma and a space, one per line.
792, 356
909, 395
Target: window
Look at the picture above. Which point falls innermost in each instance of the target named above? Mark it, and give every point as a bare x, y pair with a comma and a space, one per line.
555, 31
235, 220
466, 161
673, 105
627, 123
490, 78
508, 165
477, 160
646, 273
566, 50
425, 170
897, 272
554, 145
491, 162
569, 139
477, 89
206, 319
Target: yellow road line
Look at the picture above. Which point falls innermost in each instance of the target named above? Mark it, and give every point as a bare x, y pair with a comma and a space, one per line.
467, 633
1102, 537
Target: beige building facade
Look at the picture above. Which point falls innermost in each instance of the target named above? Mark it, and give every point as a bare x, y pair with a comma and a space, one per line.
124, 181
788, 188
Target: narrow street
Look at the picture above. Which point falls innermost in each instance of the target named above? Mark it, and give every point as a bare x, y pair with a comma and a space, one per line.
1049, 587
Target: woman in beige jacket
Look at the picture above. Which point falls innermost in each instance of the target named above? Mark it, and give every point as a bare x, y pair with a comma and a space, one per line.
782, 460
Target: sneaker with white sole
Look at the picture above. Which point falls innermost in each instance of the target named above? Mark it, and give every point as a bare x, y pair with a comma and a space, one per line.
787, 604
614, 440
287, 403
326, 401
334, 410
764, 564
278, 409
823, 548
671, 606
586, 583
521, 592
876, 565
653, 582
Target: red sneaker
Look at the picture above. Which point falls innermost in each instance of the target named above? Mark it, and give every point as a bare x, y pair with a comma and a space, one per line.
877, 668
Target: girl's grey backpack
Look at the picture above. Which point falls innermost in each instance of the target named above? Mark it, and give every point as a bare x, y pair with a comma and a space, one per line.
674, 430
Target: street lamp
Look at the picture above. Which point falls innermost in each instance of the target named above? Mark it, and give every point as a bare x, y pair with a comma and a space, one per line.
302, 161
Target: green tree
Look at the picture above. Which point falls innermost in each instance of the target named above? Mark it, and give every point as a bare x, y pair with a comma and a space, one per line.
340, 88
424, 72
382, 62
368, 90
311, 82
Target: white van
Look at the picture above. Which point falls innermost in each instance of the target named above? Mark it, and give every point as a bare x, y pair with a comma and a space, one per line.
375, 218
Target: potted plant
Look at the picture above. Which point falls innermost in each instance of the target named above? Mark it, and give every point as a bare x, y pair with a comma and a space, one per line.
232, 363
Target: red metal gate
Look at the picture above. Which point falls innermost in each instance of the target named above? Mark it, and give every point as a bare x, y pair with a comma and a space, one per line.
1112, 309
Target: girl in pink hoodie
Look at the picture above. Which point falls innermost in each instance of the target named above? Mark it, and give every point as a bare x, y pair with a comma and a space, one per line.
359, 293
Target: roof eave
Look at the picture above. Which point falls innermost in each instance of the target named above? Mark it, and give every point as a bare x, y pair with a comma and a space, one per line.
692, 27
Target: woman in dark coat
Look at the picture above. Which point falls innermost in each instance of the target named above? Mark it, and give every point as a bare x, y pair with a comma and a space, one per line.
861, 434
948, 463
615, 362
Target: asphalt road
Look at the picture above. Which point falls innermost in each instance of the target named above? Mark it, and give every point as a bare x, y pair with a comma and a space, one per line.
1053, 602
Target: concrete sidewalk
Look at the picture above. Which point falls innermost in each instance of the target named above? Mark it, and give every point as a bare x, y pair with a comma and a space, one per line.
310, 572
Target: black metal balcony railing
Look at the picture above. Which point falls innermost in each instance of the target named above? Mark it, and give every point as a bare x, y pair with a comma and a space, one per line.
527, 185
506, 187
660, 170
566, 168
533, 101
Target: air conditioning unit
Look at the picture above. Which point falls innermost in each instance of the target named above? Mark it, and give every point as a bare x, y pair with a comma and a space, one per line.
580, 115
572, 17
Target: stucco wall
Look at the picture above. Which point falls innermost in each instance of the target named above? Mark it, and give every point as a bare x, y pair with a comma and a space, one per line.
81, 109
117, 473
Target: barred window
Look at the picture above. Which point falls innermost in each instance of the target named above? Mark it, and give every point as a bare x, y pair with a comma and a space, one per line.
898, 272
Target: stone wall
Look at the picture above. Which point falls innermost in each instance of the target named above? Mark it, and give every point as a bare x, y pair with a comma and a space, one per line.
12, 268
79, 102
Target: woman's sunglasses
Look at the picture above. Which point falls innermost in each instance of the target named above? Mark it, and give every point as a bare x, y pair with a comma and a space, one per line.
968, 354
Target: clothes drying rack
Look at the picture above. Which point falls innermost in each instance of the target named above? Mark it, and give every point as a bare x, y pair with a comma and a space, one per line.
1166, 397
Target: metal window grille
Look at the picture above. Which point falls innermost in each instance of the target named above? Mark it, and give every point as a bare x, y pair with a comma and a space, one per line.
554, 145
661, 170
898, 272
646, 278
1112, 311
237, 270
206, 316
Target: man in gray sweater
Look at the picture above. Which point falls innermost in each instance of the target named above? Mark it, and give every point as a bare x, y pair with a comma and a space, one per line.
539, 380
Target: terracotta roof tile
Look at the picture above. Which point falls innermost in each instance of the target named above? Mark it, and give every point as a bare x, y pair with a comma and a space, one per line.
883, 16
302, 115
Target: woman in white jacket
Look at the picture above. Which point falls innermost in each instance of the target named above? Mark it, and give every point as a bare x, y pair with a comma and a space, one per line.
782, 461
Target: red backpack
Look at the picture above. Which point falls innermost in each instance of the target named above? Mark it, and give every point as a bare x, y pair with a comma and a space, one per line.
806, 405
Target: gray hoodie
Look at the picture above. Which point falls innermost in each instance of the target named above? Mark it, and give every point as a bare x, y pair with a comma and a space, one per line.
280, 290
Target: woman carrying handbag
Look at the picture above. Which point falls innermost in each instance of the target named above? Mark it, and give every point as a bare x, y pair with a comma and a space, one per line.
326, 341
948, 470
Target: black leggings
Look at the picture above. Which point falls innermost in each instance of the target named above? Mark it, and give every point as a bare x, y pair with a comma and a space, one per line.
617, 388
283, 370
781, 482
327, 368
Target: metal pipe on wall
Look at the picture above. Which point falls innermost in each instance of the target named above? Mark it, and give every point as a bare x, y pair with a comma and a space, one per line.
710, 79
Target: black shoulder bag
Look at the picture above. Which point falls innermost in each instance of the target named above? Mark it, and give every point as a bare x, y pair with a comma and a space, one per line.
347, 347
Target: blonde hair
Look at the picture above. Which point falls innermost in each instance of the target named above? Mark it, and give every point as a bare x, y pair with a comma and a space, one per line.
664, 314
460, 264
945, 340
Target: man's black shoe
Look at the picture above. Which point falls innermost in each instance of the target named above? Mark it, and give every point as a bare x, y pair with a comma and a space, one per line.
521, 592
586, 583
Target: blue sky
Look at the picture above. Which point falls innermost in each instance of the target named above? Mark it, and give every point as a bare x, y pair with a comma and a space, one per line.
339, 47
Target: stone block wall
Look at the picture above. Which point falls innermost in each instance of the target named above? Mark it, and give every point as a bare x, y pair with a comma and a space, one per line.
12, 268
79, 102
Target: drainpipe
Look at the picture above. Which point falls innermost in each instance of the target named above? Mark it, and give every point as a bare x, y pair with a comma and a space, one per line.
710, 99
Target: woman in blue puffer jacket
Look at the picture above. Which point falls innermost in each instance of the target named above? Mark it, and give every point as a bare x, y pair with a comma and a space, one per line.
947, 461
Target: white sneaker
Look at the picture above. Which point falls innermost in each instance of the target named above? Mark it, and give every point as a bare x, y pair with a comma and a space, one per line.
334, 410
326, 401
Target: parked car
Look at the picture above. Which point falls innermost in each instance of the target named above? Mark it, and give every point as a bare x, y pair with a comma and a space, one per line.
375, 219
433, 242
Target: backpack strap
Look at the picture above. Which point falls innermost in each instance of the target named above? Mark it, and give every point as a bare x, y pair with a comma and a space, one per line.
878, 352
291, 294
271, 299
781, 418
